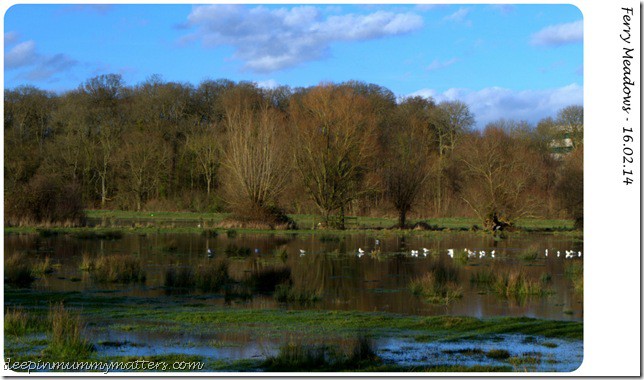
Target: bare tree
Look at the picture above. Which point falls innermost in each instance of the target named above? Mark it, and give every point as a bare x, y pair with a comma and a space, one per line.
571, 119
206, 148
142, 158
407, 156
451, 119
498, 177
254, 163
334, 134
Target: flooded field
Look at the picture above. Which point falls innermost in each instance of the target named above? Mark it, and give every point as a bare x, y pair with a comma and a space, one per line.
313, 275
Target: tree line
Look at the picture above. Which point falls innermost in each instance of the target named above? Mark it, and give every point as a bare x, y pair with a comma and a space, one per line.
342, 149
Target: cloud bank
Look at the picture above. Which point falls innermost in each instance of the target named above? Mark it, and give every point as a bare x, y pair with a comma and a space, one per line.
560, 34
493, 103
267, 40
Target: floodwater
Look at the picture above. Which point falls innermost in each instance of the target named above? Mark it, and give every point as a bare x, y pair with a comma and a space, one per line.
332, 268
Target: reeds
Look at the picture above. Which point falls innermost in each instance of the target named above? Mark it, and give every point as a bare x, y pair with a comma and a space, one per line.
17, 270
42, 267
285, 293
575, 272
359, 353
122, 269
66, 335
515, 282
435, 289
16, 321
210, 276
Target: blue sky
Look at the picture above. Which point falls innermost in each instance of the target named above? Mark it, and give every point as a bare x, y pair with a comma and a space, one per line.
522, 62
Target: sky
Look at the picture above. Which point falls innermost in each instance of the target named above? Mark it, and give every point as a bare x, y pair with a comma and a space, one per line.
520, 62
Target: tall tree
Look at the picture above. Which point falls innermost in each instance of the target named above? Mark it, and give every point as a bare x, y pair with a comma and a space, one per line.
498, 177
254, 162
451, 120
571, 120
408, 156
334, 131
105, 117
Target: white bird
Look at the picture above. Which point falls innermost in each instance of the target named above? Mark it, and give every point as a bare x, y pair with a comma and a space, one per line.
481, 254
492, 253
579, 254
360, 254
558, 253
210, 254
360, 250
546, 252
414, 253
471, 253
302, 252
377, 242
450, 253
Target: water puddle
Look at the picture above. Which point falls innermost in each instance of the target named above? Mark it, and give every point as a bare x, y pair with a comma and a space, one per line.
522, 353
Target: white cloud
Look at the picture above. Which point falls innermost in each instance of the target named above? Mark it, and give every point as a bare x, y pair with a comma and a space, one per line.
10, 38
437, 65
268, 84
268, 40
560, 34
23, 54
459, 16
493, 103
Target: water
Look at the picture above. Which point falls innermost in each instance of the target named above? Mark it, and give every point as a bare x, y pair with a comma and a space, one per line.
332, 268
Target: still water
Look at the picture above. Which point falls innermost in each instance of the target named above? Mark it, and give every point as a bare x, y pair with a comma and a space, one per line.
330, 266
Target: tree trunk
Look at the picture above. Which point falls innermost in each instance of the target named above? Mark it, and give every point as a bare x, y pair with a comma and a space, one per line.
402, 218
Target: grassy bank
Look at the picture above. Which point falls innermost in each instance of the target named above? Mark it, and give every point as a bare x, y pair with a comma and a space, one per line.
179, 222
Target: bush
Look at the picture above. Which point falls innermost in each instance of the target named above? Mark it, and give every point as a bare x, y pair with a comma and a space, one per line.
45, 200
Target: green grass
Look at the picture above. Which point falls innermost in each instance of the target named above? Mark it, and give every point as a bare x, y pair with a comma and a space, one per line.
285, 293
164, 221
67, 340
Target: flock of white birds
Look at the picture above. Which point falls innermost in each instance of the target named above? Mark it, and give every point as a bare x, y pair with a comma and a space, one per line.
569, 254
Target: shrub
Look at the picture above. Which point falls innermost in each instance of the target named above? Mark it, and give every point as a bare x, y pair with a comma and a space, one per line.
47, 199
